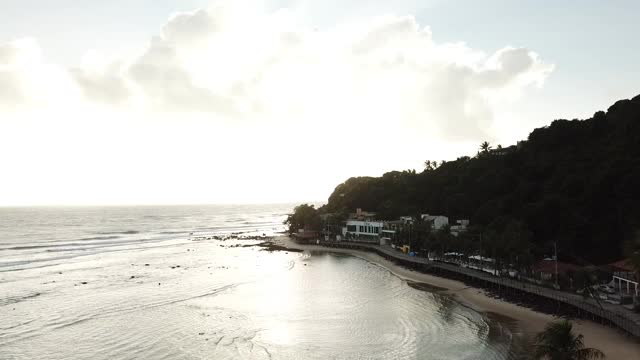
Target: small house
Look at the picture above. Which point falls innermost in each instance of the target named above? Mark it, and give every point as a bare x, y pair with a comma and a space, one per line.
438, 221
546, 269
624, 277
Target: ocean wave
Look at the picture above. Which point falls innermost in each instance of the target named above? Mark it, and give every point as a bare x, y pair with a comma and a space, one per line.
48, 244
16, 299
111, 237
125, 232
62, 244
20, 265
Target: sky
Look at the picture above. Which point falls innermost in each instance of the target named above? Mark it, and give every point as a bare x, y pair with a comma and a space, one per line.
200, 101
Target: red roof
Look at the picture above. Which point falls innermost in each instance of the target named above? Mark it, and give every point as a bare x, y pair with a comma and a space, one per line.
622, 265
549, 266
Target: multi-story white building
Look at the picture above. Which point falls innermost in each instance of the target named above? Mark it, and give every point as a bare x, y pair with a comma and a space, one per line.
363, 230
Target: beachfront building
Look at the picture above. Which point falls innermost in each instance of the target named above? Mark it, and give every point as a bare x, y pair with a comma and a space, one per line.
407, 220
397, 232
306, 234
387, 237
460, 227
624, 278
547, 269
438, 221
363, 230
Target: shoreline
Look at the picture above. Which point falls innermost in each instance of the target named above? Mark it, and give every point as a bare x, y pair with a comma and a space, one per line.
613, 342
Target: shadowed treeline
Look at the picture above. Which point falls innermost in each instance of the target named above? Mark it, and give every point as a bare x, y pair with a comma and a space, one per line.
574, 182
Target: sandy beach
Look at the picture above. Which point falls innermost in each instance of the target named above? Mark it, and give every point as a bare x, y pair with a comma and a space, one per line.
614, 343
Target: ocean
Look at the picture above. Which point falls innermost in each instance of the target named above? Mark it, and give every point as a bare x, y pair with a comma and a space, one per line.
186, 282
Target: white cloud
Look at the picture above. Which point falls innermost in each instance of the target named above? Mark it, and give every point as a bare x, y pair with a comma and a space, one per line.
17, 59
189, 26
263, 66
264, 79
28, 81
269, 66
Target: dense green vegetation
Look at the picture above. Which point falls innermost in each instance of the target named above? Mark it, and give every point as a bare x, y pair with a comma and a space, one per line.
574, 182
304, 216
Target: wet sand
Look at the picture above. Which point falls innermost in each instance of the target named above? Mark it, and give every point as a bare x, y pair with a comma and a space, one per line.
614, 343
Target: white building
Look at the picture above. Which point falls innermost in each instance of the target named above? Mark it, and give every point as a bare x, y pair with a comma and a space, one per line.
363, 230
460, 226
406, 219
438, 221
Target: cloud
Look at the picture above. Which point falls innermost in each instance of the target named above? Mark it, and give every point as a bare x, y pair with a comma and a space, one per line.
188, 26
270, 66
15, 59
107, 85
27, 80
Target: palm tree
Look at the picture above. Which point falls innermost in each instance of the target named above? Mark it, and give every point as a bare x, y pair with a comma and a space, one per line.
558, 342
485, 147
430, 165
427, 165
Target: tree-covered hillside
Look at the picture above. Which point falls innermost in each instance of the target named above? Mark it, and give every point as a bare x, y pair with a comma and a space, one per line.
576, 182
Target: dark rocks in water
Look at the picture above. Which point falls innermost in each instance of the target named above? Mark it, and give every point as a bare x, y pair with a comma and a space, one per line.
201, 333
146, 264
132, 277
158, 284
271, 246
84, 283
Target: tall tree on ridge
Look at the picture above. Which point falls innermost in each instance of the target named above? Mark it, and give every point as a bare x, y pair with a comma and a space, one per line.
485, 147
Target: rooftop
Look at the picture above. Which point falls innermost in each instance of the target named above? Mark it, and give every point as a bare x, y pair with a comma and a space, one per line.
549, 266
622, 265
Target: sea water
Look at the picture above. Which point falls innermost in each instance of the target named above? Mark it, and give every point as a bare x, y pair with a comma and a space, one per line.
184, 282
